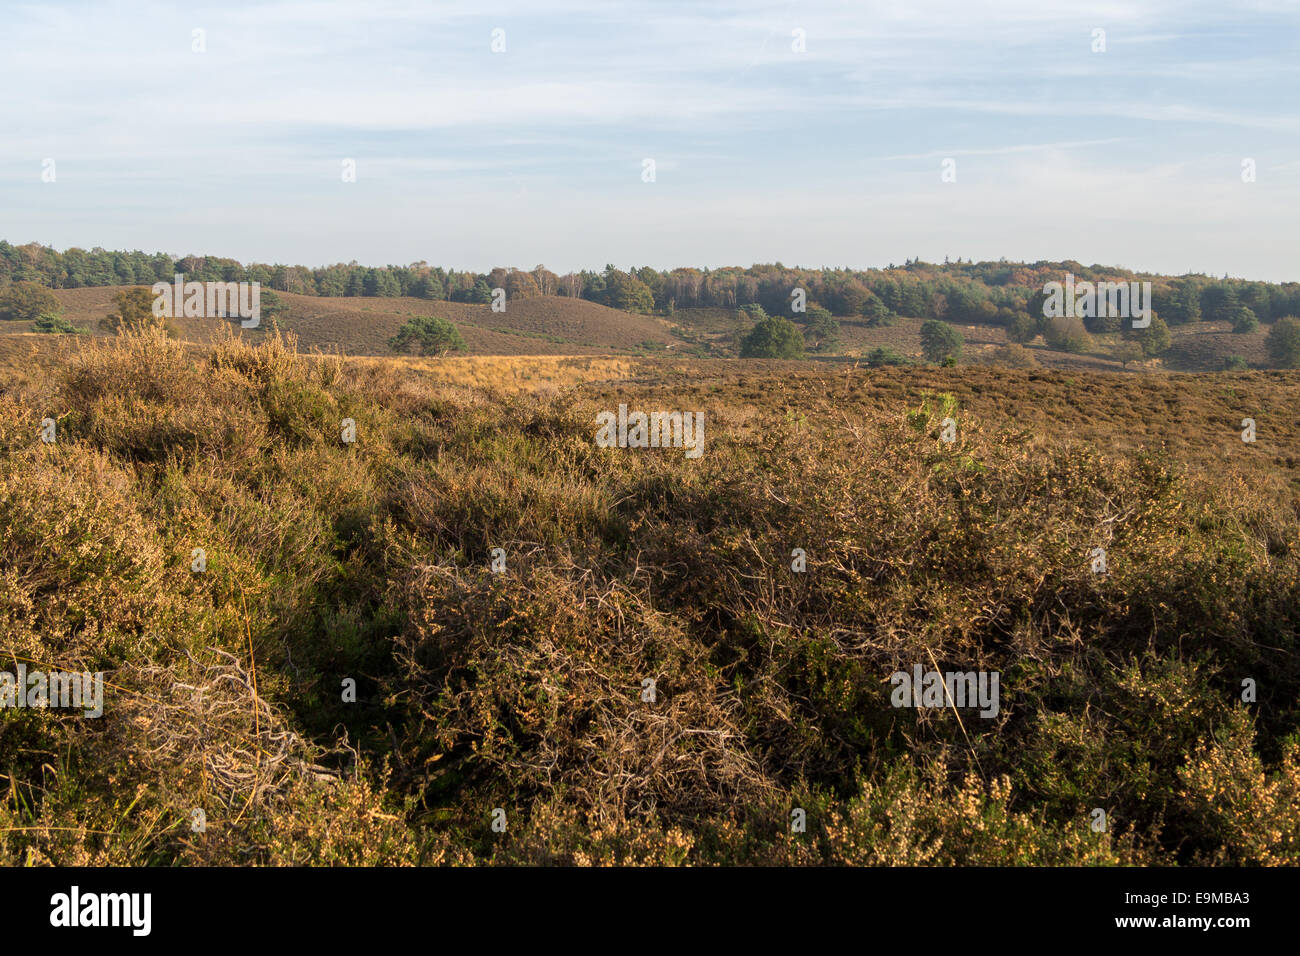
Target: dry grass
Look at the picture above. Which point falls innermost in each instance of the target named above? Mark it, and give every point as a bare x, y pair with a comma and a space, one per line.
511, 374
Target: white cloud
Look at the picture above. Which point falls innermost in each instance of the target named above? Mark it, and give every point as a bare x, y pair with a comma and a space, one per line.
826, 156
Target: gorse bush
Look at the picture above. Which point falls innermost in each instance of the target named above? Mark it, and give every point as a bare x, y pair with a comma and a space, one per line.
132, 312
524, 686
1014, 356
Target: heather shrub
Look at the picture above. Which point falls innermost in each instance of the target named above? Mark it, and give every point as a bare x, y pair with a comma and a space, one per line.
524, 686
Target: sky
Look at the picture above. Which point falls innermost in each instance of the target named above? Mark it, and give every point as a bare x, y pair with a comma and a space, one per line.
809, 133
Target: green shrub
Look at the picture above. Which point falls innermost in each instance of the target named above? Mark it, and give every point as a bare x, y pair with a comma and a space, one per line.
1022, 329
1125, 352
877, 314
26, 301
821, 330
773, 337
1243, 320
884, 355
1014, 356
57, 325
1154, 339
429, 334
1067, 334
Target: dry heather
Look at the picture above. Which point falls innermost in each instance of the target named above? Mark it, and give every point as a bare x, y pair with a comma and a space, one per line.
330, 562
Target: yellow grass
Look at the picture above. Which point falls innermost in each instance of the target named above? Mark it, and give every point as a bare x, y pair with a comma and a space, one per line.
516, 373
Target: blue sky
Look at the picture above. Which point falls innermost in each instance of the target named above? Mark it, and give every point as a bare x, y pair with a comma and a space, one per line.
831, 156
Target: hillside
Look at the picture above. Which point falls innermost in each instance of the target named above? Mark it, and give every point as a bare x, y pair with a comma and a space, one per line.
560, 325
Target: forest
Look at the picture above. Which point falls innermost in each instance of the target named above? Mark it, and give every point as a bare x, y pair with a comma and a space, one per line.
956, 291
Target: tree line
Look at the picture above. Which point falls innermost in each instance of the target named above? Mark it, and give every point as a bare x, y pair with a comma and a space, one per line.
958, 292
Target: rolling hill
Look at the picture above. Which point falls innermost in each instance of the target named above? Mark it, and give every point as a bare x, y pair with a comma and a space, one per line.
565, 326
547, 325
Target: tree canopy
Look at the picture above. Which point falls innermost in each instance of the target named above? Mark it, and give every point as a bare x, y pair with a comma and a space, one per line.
430, 334
940, 341
1154, 339
133, 312
773, 337
1066, 335
25, 301
1283, 342
960, 292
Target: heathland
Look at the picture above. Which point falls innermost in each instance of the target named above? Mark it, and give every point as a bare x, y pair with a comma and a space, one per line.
474, 635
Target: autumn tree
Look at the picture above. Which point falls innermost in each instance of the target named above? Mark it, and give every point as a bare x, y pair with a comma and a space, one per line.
548, 283
520, 285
